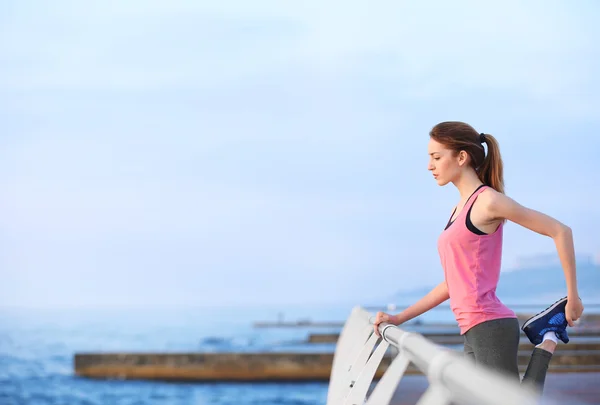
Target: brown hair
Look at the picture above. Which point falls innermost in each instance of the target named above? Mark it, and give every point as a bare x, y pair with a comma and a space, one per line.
459, 136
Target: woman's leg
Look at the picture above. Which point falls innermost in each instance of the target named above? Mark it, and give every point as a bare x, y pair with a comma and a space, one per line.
495, 345
469, 353
535, 376
549, 324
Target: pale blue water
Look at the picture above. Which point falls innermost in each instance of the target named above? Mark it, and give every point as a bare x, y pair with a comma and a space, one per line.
37, 348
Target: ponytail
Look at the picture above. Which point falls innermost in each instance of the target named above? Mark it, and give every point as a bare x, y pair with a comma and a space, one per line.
491, 170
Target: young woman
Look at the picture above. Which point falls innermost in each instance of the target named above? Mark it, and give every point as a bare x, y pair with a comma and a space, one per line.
470, 249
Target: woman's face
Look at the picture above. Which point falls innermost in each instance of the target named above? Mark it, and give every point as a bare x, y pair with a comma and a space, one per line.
444, 165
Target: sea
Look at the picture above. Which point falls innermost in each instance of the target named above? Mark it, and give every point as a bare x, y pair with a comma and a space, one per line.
37, 348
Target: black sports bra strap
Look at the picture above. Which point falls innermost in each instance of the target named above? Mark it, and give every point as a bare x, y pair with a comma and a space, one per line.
450, 221
473, 193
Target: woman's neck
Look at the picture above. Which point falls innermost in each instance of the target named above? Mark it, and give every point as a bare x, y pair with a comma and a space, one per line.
467, 183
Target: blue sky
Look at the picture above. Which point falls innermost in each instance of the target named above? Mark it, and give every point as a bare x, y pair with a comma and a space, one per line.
186, 153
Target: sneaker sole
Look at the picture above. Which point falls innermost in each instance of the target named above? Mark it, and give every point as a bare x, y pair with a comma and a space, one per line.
544, 312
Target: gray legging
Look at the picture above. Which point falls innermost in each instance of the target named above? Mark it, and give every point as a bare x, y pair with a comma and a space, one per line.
495, 344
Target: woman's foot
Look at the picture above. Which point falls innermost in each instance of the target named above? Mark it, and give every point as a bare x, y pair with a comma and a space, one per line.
552, 319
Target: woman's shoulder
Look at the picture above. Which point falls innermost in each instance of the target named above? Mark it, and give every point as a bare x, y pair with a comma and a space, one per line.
489, 193
488, 198
496, 204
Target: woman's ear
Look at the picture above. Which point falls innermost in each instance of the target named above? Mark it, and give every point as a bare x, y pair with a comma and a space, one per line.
462, 157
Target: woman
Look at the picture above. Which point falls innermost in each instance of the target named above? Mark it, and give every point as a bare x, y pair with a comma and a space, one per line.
470, 249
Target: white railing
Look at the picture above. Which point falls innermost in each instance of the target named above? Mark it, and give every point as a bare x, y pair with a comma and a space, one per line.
452, 379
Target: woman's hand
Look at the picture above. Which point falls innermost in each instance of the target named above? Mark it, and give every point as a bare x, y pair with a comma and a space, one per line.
573, 310
381, 318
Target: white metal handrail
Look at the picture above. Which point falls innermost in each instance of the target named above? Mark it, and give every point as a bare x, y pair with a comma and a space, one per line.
452, 379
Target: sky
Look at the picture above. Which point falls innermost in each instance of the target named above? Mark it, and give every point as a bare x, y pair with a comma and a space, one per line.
192, 153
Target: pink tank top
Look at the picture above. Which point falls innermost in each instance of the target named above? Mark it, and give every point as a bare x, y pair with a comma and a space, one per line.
471, 264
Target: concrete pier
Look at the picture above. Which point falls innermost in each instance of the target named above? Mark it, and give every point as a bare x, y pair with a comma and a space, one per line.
206, 366
269, 366
582, 354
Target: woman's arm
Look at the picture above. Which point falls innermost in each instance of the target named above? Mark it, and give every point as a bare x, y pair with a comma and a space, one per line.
432, 299
499, 206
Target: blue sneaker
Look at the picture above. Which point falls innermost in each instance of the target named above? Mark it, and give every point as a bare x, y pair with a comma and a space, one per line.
552, 319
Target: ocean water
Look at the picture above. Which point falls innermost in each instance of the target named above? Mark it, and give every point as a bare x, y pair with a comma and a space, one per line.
37, 348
